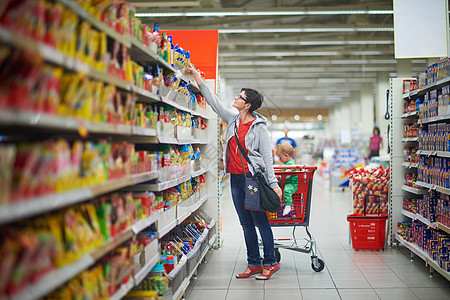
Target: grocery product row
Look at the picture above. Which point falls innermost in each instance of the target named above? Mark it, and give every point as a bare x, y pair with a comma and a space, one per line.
73, 238
37, 177
422, 219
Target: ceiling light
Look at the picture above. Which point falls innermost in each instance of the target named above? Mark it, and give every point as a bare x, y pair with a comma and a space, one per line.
288, 62
262, 13
274, 117
306, 43
298, 53
312, 29
296, 117
366, 53
319, 117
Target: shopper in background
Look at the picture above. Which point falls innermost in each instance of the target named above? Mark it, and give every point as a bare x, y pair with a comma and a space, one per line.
376, 143
289, 140
254, 138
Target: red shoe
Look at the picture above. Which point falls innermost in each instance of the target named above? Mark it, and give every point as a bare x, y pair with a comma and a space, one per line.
253, 270
271, 269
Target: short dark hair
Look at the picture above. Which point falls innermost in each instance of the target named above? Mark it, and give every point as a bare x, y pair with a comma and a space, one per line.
253, 97
377, 129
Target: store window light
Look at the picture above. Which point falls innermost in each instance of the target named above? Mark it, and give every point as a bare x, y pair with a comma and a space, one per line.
274, 117
296, 117
319, 117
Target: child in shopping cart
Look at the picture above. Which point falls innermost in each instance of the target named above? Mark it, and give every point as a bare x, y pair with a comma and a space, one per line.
285, 152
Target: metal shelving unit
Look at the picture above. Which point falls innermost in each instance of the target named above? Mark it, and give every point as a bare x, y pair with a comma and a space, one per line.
424, 256
399, 167
65, 125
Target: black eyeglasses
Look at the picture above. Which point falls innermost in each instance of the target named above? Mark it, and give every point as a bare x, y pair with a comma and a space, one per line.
240, 97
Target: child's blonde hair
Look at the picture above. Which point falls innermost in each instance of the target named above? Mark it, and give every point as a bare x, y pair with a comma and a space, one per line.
285, 148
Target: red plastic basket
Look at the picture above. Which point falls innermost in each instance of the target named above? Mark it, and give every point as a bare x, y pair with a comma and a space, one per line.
367, 232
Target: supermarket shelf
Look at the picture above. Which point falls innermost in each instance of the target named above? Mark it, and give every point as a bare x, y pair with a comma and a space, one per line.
184, 178
162, 232
140, 131
95, 22
211, 241
411, 247
168, 140
141, 52
428, 186
181, 289
410, 164
26, 208
199, 142
413, 190
141, 225
437, 188
159, 187
183, 286
123, 290
409, 214
61, 123
56, 57
184, 216
198, 204
198, 173
410, 114
54, 279
443, 190
426, 152
142, 273
411, 139
427, 88
434, 119
416, 250
176, 105
165, 64
443, 227
112, 244
433, 153
425, 221
146, 96
419, 217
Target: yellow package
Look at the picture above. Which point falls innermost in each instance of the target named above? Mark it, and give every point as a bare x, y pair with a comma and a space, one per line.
97, 94
55, 226
67, 38
102, 50
69, 87
83, 99
94, 223
82, 41
92, 47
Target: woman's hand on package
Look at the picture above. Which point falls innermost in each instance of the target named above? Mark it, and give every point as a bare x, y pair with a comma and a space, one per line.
191, 71
278, 191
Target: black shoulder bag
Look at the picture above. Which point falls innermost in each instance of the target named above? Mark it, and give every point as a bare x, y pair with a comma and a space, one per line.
258, 194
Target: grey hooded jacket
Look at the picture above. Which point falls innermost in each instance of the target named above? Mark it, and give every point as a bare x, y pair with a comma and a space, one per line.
257, 140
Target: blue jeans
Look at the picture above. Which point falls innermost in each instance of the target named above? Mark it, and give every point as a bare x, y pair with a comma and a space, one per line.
249, 219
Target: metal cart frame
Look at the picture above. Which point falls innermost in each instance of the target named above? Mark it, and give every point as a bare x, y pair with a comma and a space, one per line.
299, 215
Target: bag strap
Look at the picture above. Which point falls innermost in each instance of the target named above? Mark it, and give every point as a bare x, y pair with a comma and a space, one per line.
242, 149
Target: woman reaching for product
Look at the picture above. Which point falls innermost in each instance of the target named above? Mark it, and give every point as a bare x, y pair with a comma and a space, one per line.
254, 138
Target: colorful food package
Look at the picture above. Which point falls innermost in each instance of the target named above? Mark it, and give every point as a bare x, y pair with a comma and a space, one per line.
370, 187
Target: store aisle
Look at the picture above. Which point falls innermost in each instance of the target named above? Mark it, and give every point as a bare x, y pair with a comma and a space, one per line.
348, 274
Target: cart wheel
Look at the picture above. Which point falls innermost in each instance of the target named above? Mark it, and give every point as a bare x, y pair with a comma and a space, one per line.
277, 254
320, 265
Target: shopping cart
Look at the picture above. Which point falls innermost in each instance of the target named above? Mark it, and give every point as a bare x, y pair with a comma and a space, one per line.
298, 216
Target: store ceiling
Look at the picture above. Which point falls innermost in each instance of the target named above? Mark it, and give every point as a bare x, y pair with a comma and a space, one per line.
301, 54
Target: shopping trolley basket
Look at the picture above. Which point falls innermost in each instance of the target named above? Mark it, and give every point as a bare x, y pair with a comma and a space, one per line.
299, 214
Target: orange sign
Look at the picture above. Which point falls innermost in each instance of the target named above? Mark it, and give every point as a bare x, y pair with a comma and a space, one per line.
203, 46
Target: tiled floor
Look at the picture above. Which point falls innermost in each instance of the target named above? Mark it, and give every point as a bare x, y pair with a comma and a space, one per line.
348, 274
